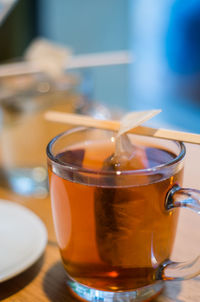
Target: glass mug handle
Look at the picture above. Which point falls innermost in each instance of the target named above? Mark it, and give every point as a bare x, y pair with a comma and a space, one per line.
185, 198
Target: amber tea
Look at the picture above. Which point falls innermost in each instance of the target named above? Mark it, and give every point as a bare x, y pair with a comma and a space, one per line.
111, 223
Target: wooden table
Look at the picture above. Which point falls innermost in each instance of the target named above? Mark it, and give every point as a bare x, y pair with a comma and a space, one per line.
46, 281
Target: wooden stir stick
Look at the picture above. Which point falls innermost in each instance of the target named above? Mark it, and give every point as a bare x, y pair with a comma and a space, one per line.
88, 121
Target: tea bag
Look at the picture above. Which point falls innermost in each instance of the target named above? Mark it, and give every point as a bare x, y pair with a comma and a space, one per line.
50, 57
127, 155
114, 205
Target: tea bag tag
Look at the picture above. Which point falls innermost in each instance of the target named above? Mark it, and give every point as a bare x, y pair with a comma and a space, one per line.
134, 119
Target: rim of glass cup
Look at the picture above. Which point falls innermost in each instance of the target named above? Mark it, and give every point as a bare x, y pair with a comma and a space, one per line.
76, 168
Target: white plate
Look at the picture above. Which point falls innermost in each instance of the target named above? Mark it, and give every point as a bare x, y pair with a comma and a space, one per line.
23, 238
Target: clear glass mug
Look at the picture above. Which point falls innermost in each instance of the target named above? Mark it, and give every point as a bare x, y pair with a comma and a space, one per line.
116, 229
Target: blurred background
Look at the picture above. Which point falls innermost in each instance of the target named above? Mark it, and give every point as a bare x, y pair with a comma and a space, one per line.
162, 37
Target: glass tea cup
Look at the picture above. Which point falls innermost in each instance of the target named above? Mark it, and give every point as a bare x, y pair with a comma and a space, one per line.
116, 226
24, 131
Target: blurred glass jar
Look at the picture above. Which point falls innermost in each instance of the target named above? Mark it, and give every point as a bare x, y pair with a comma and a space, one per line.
24, 131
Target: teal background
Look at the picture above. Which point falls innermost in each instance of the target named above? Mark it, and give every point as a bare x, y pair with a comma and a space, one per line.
90, 26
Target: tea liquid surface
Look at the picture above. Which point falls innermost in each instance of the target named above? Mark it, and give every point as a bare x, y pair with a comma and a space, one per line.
112, 237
